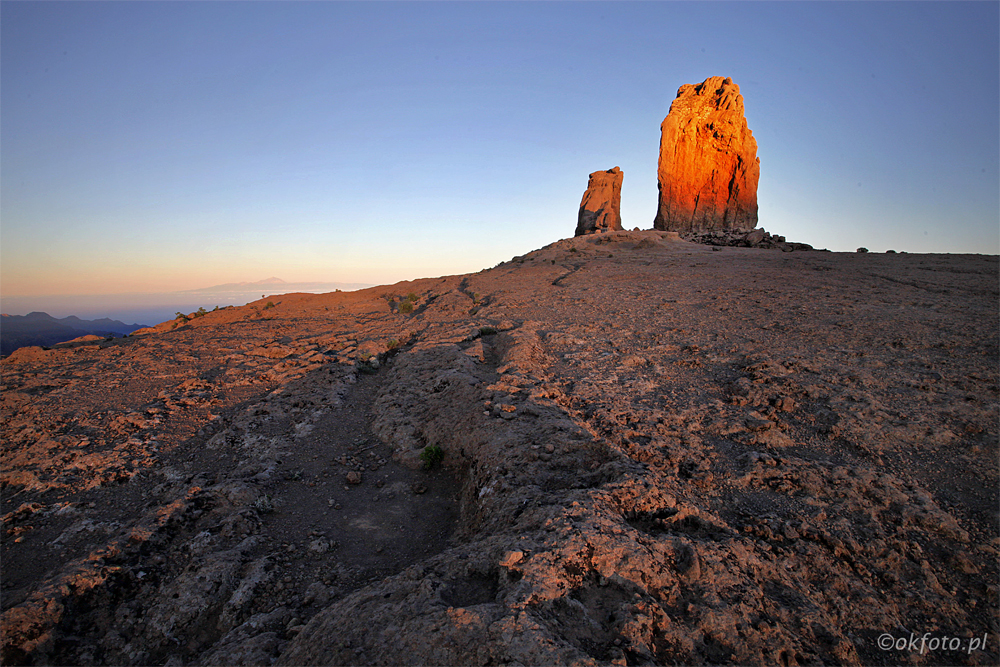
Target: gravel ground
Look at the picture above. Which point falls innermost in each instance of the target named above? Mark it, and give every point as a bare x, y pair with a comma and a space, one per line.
654, 452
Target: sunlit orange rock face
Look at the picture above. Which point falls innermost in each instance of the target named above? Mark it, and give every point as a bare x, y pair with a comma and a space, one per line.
600, 208
708, 161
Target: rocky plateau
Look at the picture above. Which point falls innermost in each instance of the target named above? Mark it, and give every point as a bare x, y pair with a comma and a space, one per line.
652, 452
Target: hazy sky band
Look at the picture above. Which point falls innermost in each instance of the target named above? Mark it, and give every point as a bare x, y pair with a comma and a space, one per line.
164, 146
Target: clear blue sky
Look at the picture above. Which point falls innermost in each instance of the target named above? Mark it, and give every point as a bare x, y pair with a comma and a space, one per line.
166, 146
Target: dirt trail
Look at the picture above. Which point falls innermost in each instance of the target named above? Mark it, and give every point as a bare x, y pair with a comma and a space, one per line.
344, 513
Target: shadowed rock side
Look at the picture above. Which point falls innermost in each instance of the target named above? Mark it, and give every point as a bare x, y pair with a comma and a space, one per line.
663, 454
708, 168
758, 238
600, 210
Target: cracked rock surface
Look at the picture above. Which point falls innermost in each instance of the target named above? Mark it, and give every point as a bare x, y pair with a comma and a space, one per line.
653, 453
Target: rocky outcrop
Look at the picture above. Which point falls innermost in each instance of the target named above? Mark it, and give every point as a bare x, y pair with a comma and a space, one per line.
709, 168
758, 238
599, 210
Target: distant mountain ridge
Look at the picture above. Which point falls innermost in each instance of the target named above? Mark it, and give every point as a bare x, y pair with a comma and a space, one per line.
154, 307
39, 328
273, 283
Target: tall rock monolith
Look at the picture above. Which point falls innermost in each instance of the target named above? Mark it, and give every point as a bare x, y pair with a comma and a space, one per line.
601, 204
708, 161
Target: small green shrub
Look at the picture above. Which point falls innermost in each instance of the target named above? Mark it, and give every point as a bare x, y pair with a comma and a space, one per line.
263, 504
368, 363
269, 304
405, 307
392, 344
412, 297
431, 456
201, 312
181, 316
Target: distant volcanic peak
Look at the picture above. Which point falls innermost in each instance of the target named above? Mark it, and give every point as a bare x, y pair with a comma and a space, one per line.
230, 287
600, 209
261, 283
708, 170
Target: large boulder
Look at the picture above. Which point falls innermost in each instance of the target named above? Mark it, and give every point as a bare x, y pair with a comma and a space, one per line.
709, 168
600, 208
